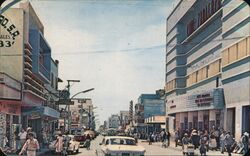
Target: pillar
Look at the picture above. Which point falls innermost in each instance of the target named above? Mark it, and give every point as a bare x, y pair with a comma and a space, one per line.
190, 120
212, 118
238, 122
200, 120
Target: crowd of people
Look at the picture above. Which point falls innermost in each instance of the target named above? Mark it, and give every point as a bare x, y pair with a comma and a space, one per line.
216, 139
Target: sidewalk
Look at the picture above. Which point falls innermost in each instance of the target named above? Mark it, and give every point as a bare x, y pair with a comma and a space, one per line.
179, 149
42, 152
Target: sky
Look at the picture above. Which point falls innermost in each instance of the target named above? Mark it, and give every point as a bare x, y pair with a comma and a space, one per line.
114, 46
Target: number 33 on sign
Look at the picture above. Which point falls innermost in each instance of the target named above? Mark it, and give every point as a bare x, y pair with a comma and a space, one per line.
5, 43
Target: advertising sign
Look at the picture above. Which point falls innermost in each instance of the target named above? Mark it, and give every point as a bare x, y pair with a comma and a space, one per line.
11, 42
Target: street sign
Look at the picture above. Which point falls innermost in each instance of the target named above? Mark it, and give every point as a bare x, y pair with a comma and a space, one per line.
64, 94
64, 114
65, 102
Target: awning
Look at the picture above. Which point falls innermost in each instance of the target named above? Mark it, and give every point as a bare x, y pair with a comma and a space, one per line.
40, 111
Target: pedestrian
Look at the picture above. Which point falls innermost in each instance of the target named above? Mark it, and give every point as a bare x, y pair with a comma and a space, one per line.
168, 137
185, 140
203, 141
195, 138
88, 142
59, 143
17, 140
176, 138
245, 141
206, 137
229, 141
222, 142
30, 146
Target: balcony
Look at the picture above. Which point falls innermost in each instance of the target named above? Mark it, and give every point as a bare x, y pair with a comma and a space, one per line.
27, 58
44, 71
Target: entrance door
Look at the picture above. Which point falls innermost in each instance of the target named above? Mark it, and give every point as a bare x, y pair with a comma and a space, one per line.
246, 119
206, 121
231, 120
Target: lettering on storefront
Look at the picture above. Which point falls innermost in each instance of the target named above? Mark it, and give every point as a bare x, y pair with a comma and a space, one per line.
7, 40
203, 100
34, 115
10, 108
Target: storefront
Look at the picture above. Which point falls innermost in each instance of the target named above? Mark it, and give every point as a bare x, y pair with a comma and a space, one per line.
201, 111
40, 118
10, 112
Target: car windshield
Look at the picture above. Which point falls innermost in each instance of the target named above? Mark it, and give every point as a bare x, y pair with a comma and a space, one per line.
121, 141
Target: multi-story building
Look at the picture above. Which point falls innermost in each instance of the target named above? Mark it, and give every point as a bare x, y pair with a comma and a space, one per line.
114, 121
148, 105
197, 33
82, 114
25, 67
236, 65
124, 118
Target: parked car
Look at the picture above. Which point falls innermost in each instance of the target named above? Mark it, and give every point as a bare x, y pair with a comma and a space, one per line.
81, 139
73, 145
118, 145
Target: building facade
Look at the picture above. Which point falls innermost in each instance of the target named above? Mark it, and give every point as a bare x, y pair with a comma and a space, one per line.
148, 105
124, 119
25, 67
114, 121
236, 65
196, 93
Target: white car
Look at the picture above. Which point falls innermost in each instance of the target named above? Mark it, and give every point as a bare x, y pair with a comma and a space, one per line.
121, 146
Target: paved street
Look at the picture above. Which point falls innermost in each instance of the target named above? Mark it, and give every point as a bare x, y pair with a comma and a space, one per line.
151, 150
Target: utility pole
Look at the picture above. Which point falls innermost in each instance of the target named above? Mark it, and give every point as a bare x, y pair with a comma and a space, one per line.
69, 117
89, 116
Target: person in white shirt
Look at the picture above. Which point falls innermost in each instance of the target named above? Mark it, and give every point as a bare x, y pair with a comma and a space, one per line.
22, 135
30, 146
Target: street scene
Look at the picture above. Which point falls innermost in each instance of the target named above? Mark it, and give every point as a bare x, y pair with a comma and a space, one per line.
124, 77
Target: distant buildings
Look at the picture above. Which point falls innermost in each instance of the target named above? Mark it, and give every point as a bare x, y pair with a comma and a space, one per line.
114, 121
207, 65
148, 105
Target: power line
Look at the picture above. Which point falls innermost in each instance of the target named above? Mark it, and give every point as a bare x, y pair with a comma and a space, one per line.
129, 50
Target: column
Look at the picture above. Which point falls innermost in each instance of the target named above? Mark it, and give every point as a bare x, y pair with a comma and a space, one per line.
190, 120
238, 122
182, 116
200, 120
212, 117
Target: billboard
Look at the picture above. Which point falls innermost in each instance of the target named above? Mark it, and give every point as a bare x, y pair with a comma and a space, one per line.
11, 43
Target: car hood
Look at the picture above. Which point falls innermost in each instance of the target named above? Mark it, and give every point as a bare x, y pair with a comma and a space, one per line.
125, 148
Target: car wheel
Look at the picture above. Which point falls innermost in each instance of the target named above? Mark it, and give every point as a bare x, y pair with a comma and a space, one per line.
77, 151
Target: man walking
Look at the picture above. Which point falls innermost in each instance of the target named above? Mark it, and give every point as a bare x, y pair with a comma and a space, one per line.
222, 141
31, 145
229, 142
245, 140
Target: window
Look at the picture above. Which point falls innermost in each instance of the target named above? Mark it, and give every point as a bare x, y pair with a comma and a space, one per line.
232, 53
207, 71
242, 49
248, 46
52, 80
225, 59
